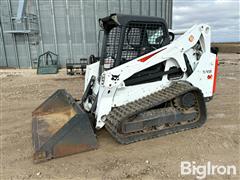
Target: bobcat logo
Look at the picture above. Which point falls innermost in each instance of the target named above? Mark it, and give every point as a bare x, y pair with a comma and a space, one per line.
115, 77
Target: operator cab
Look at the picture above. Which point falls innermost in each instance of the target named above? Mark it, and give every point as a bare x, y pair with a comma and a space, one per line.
127, 37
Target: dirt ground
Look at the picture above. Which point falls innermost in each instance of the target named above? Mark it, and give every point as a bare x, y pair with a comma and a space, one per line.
217, 141
227, 47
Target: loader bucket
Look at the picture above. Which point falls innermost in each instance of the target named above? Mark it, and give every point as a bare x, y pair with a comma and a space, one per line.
61, 127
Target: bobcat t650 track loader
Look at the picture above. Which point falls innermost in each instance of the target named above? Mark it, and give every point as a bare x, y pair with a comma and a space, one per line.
146, 84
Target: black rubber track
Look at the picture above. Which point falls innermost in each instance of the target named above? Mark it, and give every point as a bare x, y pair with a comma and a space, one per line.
119, 115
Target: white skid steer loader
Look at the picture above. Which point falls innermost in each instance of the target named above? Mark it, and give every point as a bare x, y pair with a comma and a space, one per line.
146, 84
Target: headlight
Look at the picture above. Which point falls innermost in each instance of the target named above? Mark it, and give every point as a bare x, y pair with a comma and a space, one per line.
102, 79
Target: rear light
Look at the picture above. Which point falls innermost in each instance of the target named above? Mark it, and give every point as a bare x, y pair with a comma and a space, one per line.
215, 75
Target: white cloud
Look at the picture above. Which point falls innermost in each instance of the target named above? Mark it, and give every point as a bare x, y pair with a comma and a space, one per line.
221, 15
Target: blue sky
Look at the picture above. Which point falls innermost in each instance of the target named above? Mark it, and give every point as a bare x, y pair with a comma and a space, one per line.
221, 15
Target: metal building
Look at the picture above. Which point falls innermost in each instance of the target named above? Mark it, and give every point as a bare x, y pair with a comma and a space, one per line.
68, 28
